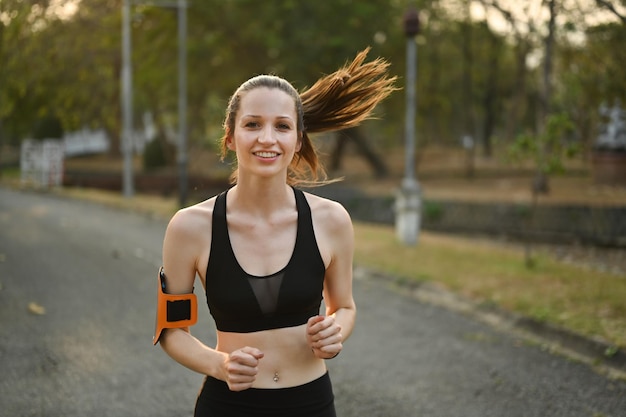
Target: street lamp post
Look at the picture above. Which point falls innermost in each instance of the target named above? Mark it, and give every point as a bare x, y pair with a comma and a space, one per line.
182, 102
127, 94
127, 98
408, 197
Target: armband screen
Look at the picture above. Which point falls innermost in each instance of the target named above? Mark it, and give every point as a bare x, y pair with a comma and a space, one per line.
173, 310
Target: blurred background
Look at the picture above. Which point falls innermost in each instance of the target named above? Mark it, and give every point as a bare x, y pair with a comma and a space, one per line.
508, 94
517, 156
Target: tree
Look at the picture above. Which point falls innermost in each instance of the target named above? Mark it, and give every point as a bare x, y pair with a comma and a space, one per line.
58, 66
22, 95
591, 74
472, 76
86, 49
546, 152
491, 94
358, 138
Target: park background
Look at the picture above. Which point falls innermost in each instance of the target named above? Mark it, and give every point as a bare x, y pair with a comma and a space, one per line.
513, 104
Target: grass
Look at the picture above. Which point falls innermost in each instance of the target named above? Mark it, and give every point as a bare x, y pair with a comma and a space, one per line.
147, 204
582, 300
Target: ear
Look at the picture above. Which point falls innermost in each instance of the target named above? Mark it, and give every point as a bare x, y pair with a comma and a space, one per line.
299, 144
230, 143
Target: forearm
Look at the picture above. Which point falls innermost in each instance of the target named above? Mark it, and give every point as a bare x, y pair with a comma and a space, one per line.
190, 352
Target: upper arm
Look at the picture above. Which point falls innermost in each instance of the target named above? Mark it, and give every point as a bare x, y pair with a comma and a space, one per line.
181, 248
337, 241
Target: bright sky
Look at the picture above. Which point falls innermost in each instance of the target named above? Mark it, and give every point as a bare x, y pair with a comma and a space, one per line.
63, 9
534, 11
524, 11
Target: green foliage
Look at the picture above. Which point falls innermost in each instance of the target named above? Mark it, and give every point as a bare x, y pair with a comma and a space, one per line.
523, 211
48, 128
611, 351
153, 155
69, 66
547, 150
433, 211
592, 74
52, 65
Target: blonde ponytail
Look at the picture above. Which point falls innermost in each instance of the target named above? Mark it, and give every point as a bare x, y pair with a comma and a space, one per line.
348, 96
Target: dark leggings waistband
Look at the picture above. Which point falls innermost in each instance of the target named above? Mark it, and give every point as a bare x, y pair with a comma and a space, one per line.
313, 399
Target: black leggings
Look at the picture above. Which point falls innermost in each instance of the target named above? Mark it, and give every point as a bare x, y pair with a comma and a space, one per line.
313, 399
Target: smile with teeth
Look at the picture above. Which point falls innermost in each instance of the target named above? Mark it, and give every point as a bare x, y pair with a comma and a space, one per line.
266, 154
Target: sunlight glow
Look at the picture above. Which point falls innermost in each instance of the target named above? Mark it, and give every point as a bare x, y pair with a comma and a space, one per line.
63, 9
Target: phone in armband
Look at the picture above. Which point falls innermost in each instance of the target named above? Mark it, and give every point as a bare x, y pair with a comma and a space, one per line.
173, 310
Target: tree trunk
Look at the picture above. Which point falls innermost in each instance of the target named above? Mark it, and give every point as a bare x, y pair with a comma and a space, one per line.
356, 135
541, 184
517, 106
489, 100
468, 63
546, 95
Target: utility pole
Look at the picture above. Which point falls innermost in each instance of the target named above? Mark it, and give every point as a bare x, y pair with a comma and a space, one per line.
127, 101
127, 94
182, 102
408, 197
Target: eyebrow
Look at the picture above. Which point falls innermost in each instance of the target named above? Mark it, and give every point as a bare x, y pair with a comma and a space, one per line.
255, 116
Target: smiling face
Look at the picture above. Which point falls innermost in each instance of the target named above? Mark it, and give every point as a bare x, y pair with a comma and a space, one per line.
265, 136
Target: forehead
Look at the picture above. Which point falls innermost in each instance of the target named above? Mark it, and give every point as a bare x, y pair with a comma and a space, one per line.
265, 101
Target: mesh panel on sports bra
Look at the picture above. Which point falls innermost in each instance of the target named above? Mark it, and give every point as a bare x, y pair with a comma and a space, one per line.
266, 290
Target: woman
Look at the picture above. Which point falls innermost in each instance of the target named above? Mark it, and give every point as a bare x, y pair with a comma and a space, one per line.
266, 253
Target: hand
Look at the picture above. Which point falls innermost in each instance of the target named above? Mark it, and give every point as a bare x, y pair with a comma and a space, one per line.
242, 367
324, 336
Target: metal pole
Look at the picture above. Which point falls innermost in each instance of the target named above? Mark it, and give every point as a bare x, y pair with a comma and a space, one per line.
182, 101
411, 65
408, 197
127, 101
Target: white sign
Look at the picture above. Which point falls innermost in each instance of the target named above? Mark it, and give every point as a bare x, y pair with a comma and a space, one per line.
85, 142
41, 162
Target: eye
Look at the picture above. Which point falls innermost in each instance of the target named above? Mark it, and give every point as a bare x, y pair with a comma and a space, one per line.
252, 125
283, 126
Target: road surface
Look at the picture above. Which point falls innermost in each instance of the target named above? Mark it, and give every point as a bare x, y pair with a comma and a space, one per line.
77, 292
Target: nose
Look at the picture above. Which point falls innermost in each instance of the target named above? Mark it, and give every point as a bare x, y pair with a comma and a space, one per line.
266, 135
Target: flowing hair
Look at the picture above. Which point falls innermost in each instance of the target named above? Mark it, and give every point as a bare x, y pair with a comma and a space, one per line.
337, 101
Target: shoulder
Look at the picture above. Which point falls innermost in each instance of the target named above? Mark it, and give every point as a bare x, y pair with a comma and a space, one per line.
187, 238
334, 234
333, 228
192, 220
328, 213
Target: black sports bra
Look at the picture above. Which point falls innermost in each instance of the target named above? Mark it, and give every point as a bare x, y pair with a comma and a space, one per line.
243, 303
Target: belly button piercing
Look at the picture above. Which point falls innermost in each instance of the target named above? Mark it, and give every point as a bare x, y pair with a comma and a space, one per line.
276, 377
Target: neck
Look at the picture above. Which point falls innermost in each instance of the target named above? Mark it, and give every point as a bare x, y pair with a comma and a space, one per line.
260, 197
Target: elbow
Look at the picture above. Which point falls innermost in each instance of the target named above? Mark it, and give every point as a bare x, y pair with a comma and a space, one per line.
169, 337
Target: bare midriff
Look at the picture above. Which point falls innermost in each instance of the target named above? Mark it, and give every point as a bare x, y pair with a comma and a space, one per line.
288, 360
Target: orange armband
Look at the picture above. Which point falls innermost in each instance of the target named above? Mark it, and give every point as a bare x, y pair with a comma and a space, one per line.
173, 310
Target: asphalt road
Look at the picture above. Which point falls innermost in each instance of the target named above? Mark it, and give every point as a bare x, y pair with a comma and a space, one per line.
91, 271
